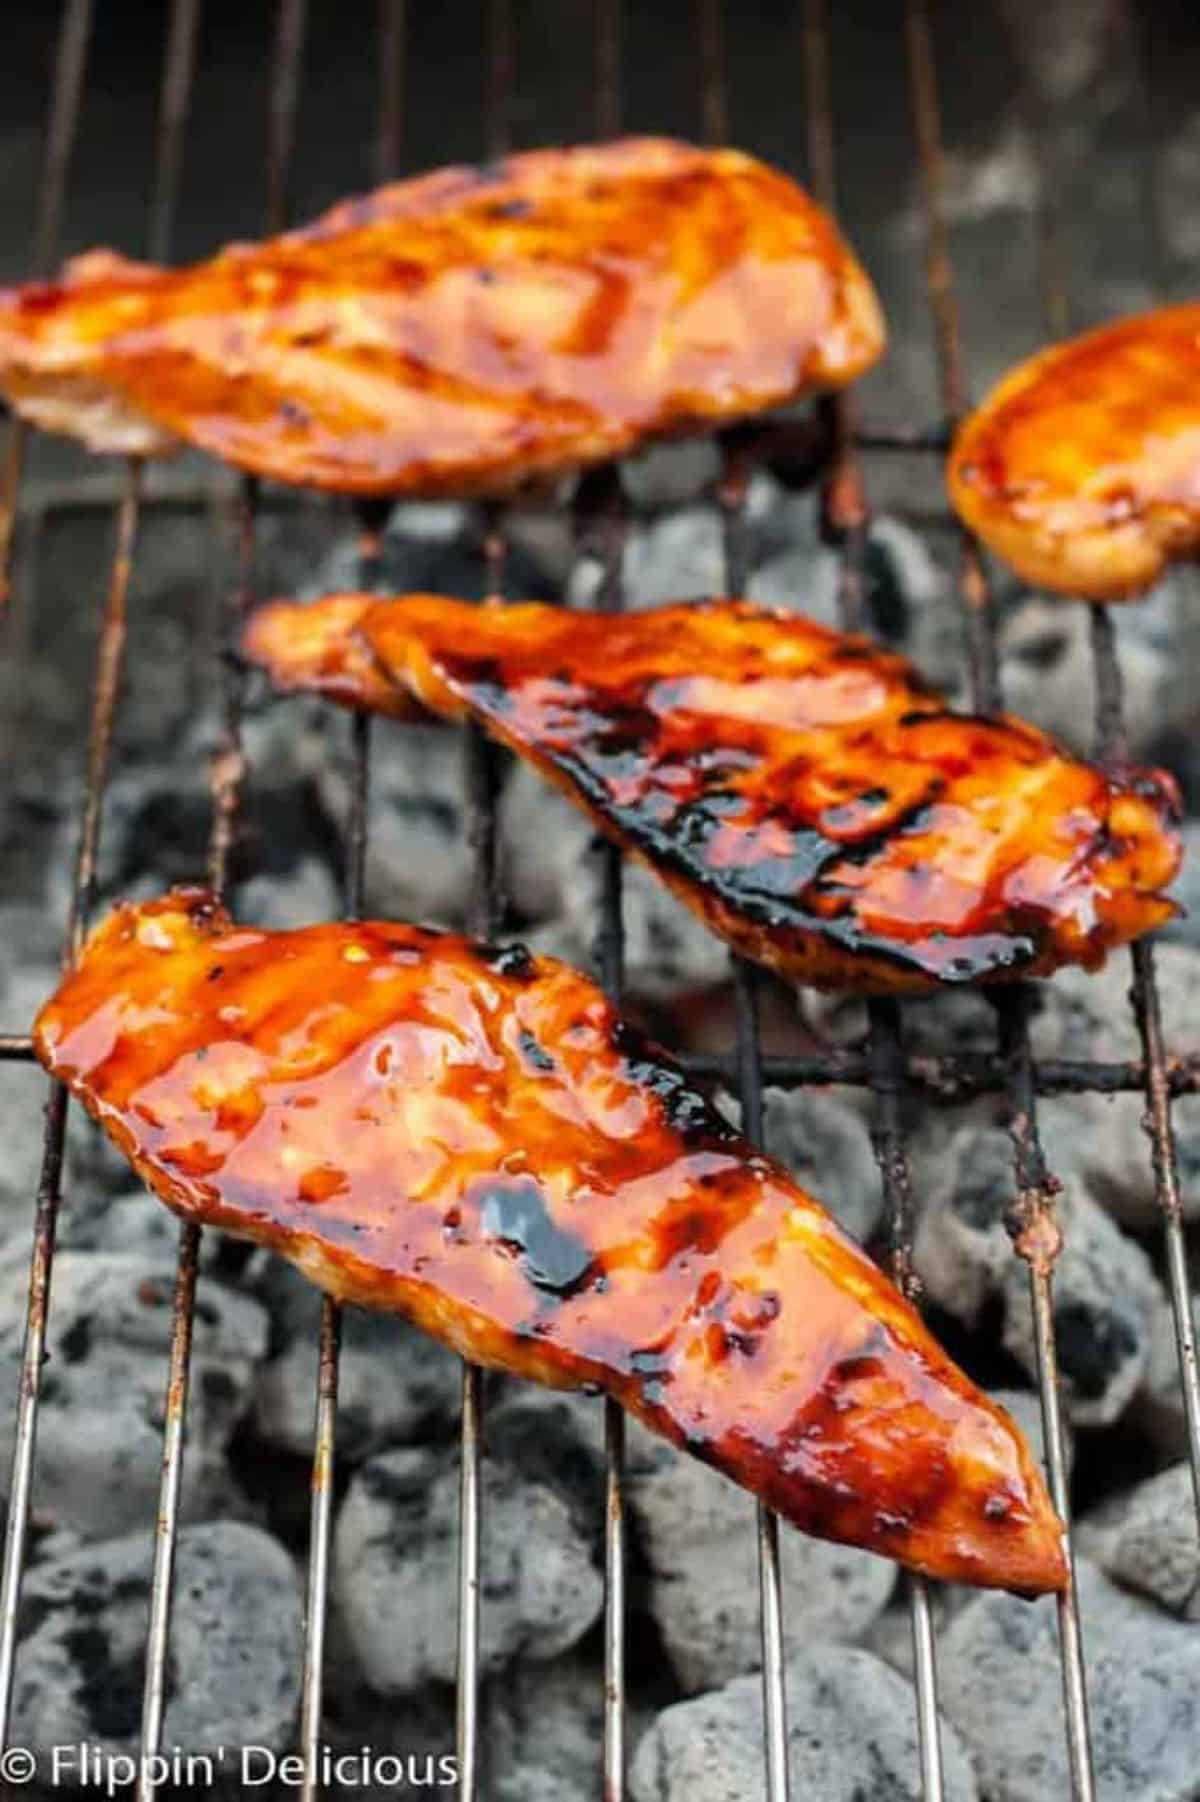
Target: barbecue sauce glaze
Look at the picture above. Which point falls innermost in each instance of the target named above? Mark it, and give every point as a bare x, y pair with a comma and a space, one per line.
1082, 468
462, 331
803, 791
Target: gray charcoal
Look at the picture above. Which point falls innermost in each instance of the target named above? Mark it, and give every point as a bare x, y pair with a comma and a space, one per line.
1160, 1411
669, 952
235, 1645
1145, 1538
418, 860
543, 838
1106, 1296
851, 1736
544, 1730
697, 1531
396, 1557
678, 555
1048, 676
671, 474
395, 1384
554, 873
828, 1149
1001, 1686
103, 1389
1086, 1016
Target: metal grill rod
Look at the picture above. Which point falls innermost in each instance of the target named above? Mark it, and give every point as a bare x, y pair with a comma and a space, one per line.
1033, 1224
844, 522
226, 777
110, 659
1112, 750
70, 64
601, 529
731, 497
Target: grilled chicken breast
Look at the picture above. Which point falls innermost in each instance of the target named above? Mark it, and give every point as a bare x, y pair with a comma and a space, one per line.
460, 332
1082, 469
802, 791
473, 1138
315, 648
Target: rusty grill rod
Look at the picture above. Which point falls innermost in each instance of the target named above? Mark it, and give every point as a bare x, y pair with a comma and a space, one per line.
1033, 1225
70, 65
110, 661
731, 499
486, 912
601, 530
1112, 750
947, 1080
226, 774
731, 503
372, 520
844, 524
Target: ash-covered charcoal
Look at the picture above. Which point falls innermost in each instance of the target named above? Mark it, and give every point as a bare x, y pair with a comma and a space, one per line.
158, 819
1145, 1538
553, 867
678, 557
132, 1222
1089, 1017
668, 952
542, 839
1106, 1296
1001, 1686
101, 1416
236, 1642
852, 1734
419, 859
696, 1531
1160, 1411
395, 1385
908, 599
429, 547
1049, 678
396, 1558
29, 969
825, 1144
543, 1725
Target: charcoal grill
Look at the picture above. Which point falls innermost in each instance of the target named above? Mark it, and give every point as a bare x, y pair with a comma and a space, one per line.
602, 520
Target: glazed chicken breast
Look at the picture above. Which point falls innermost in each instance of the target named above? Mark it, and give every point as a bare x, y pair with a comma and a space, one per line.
473, 1138
1082, 469
315, 648
463, 331
800, 790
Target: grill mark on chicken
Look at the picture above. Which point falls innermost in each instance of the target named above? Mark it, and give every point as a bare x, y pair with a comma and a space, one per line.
807, 795
464, 331
362, 1098
1082, 467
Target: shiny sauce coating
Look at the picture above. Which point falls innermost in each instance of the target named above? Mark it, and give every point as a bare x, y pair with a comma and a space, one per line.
471, 1136
463, 331
803, 791
1082, 468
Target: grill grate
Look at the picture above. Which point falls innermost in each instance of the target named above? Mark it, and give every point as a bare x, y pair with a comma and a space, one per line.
601, 526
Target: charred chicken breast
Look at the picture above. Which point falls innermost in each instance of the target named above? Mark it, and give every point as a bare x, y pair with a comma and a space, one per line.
460, 332
473, 1138
1082, 469
802, 791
